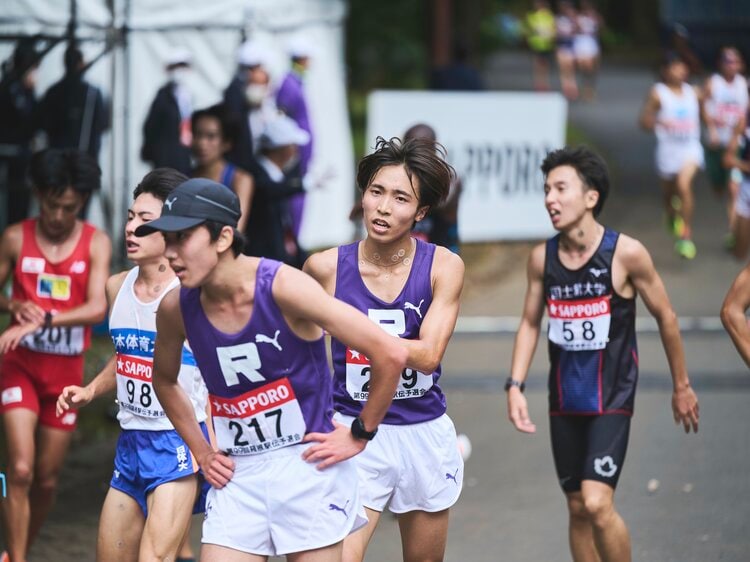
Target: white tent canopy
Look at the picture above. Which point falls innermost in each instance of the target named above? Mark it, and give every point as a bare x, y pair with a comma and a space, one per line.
137, 36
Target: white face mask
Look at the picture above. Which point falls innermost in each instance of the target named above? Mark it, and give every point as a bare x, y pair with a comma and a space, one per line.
255, 94
179, 75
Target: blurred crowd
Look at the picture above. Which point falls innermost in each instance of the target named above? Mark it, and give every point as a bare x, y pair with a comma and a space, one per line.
569, 36
258, 141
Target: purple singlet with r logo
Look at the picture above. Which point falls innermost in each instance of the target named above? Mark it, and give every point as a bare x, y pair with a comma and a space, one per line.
418, 397
267, 387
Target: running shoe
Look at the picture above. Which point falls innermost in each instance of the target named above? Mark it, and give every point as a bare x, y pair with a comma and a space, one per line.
675, 226
685, 248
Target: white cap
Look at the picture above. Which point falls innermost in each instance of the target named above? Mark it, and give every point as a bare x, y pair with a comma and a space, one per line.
300, 47
252, 53
283, 131
178, 55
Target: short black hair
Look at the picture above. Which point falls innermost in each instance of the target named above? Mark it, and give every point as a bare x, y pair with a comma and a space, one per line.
227, 122
214, 229
420, 157
159, 182
56, 169
590, 167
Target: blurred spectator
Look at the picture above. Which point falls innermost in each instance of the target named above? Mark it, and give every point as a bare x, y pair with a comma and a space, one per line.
166, 131
586, 46
214, 132
17, 106
290, 99
724, 105
460, 75
269, 232
238, 99
539, 26
565, 30
262, 104
72, 112
440, 226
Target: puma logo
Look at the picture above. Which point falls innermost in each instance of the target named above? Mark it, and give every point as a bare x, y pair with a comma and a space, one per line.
262, 338
449, 476
415, 308
168, 203
334, 507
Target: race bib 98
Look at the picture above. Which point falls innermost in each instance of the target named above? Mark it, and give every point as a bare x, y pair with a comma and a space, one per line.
135, 390
579, 325
260, 420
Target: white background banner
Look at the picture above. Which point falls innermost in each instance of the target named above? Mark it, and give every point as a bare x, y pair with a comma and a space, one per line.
496, 141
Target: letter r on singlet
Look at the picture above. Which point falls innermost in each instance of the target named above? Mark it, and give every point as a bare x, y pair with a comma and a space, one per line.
392, 321
239, 360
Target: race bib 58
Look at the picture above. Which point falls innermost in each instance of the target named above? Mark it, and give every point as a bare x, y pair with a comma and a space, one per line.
578, 325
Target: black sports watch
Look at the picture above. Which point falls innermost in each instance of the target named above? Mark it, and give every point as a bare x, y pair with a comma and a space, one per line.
512, 382
360, 432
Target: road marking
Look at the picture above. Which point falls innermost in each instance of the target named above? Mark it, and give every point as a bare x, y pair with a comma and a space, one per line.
504, 325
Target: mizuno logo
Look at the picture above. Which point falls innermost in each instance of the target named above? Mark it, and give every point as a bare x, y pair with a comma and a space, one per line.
262, 338
168, 203
597, 272
415, 308
334, 507
449, 476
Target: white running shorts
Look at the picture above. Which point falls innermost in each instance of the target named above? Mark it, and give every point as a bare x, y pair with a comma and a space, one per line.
671, 158
276, 504
418, 467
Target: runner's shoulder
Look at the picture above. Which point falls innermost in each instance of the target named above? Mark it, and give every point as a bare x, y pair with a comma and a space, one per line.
451, 261
535, 263
12, 240
322, 265
631, 252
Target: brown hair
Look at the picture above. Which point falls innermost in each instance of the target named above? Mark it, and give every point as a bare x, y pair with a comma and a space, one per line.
420, 157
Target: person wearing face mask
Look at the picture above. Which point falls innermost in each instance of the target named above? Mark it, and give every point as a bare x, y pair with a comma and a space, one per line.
290, 99
269, 233
166, 131
262, 104
245, 92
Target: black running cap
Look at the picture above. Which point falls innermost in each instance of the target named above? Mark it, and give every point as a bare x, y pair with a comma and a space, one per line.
192, 203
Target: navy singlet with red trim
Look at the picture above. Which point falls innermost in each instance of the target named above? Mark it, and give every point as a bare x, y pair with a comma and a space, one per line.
592, 345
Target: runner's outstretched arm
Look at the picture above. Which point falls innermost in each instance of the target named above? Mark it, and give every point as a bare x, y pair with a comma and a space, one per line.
526, 340
647, 119
299, 296
642, 273
733, 316
170, 338
437, 327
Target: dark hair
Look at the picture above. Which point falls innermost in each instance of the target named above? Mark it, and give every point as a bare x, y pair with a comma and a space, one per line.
159, 182
54, 170
590, 167
214, 230
227, 122
420, 131
72, 59
420, 157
